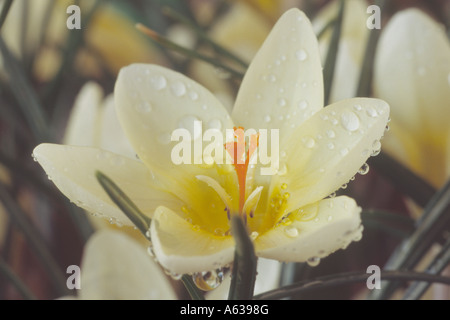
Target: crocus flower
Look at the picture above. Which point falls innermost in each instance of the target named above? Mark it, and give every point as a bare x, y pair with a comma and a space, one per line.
115, 267
287, 213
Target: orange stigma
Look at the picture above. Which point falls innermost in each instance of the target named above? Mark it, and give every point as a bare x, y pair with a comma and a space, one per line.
241, 158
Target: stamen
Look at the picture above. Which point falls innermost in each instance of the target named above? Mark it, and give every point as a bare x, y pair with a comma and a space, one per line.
241, 159
226, 198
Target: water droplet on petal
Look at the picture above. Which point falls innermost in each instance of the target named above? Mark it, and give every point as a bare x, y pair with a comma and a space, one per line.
215, 124
281, 102
301, 55
350, 121
364, 169
330, 134
208, 280
343, 152
267, 119
372, 112
193, 125
158, 82
308, 142
178, 88
313, 262
144, 107
291, 231
376, 148
193, 95
164, 138
330, 145
303, 104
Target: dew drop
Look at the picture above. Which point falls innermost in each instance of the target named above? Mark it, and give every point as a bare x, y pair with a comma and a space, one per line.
364, 169
164, 138
281, 102
330, 145
350, 121
215, 124
178, 88
313, 262
158, 82
193, 95
372, 112
267, 119
331, 134
303, 104
192, 124
291, 231
343, 152
308, 142
144, 107
376, 148
208, 280
272, 78
301, 55
357, 107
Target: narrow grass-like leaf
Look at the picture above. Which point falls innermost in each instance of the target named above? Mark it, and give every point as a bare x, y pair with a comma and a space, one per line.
5, 10
25, 95
244, 265
439, 263
163, 41
10, 275
326, 282
36, 242
366, 75
140, 220
403, 179
205, 37
333, 48
435, 220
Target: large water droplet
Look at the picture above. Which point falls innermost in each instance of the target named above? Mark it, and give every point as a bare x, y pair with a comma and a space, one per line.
291, 231
158, 82
208, 280
313, 262
364, 169
372, 112
376, 148
178, 88
301, 55
308, 142
350, 121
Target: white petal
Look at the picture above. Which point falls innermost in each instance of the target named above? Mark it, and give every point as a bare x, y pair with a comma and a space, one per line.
72, 169
283, 85
329, 148
327, 226
181, 248
153, 101
411, 73
114, 267
83, 126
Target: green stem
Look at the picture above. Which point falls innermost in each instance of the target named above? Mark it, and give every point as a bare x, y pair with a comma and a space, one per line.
244, 265
191, 288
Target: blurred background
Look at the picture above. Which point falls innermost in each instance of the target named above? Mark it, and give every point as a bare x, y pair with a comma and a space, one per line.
45, 65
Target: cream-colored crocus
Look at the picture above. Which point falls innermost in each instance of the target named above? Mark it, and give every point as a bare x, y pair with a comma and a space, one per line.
115, 267
412, 73
287, 214
352, 44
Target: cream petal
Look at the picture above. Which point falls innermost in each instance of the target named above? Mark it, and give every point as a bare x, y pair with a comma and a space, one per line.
327, 226
181, 248
329, 148
83, 124
153, 101
72, 169
283, 85
411, 73
112, 137
114, 267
